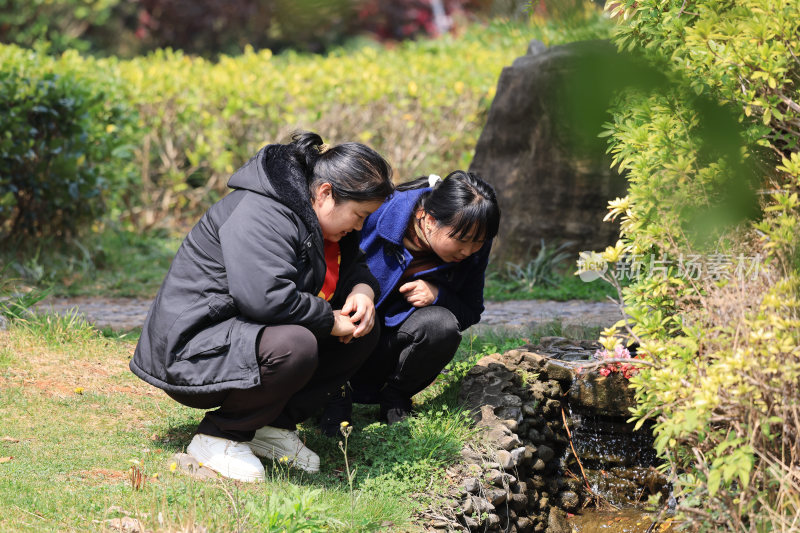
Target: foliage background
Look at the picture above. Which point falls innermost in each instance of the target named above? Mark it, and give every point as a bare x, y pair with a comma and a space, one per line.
182, 124
721, 354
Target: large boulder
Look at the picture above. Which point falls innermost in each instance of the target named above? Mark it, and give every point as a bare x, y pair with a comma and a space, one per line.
549, 187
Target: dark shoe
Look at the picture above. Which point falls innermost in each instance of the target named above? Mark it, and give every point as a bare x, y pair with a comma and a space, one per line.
394, 414
395, 404
338, 409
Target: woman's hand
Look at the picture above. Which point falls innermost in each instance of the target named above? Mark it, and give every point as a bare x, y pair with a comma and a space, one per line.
419, 293
343, 327
359, 307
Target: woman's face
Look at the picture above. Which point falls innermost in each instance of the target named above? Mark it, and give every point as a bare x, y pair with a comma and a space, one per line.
337, 220
449, 249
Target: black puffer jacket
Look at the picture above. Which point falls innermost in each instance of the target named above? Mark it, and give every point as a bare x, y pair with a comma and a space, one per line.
255, 258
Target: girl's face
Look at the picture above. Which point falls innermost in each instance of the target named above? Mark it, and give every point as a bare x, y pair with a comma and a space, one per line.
449, 249
337, 220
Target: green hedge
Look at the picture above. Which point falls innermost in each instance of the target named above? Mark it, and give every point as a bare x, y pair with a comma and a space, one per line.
62, 146
422, 104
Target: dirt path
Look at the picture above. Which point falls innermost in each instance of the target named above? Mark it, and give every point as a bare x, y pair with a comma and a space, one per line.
524, 315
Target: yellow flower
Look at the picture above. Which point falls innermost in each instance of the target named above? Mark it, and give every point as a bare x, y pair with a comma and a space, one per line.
284, 459
613, 253
345, 424
616, 207
78, 390
609, 332
173, 466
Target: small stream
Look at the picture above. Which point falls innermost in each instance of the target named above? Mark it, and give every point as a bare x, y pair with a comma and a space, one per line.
620, 465
627, 520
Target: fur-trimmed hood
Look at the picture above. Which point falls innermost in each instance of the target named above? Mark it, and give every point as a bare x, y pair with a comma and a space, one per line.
278, 175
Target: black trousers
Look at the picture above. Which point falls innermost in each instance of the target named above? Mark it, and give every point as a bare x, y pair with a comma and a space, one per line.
298, 373
408, 358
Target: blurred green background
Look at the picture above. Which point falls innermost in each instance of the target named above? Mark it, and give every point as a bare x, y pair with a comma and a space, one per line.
123, 119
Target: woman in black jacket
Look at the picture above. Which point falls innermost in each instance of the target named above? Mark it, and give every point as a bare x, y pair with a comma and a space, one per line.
268, 305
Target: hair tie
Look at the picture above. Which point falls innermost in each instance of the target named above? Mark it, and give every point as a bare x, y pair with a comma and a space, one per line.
323, 148
433, 179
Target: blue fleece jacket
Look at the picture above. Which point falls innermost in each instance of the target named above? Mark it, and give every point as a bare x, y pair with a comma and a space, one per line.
460, 284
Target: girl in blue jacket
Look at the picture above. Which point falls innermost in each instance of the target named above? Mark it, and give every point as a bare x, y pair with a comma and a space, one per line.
428, 247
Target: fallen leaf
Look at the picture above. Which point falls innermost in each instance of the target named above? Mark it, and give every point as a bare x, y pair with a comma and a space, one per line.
9, 439
5, 459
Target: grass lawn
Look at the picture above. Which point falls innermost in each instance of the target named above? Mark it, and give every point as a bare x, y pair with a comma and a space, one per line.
565, 286
114, 263
74, 422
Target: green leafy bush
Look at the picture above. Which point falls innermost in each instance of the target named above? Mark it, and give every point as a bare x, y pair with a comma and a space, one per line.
720, 343
63, 143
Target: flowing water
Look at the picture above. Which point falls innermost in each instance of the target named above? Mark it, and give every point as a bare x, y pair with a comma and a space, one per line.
620, 467
628, 520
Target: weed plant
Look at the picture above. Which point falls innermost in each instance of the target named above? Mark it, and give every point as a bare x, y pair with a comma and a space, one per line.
539, 270
111, 263
547, 276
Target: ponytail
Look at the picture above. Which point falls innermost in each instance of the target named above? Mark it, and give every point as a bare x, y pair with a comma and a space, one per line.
306, 146
354, 171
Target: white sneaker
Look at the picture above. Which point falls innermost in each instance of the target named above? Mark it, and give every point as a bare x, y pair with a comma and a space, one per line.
277, 443
229, 458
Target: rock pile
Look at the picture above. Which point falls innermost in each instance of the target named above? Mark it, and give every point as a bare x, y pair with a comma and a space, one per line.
520, 399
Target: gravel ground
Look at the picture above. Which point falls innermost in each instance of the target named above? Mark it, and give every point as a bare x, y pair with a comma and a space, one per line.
521, 315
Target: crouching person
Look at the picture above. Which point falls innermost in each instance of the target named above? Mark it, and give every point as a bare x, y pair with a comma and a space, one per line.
268, 305
428, 246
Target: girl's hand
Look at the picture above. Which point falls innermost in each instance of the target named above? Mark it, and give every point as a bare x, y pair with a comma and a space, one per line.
360, 307
419, 293
343, 327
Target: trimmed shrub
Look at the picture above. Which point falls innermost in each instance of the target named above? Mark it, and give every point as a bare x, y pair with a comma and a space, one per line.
415, 103
198, 120
63, 143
